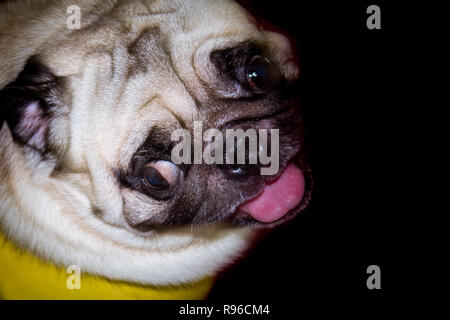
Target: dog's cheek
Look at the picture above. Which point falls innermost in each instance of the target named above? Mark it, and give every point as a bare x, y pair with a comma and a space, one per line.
140, 210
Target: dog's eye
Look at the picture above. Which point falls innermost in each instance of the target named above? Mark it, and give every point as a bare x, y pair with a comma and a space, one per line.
161, 175
261, 74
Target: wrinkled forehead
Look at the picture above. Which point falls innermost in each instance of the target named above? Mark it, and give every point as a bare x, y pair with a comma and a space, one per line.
187, 24
189, 29
194, 18
193, 29
175, 38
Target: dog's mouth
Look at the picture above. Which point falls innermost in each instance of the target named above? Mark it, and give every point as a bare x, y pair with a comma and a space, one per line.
278, 197
280, 200
282, 196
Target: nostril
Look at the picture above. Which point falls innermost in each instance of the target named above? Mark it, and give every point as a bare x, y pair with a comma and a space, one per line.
232, 168
236, 171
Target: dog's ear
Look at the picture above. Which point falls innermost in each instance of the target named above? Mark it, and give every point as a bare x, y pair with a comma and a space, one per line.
25, 106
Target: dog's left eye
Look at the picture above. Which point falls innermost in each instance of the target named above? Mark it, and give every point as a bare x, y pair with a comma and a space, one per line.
261, 74
161, 175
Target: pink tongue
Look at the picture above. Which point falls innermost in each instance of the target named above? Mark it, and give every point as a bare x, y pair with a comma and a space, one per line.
278, 197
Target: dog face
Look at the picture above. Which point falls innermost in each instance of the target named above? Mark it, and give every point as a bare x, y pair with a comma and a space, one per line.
103, 101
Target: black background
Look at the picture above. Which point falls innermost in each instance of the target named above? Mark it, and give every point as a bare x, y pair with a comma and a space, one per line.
347, 81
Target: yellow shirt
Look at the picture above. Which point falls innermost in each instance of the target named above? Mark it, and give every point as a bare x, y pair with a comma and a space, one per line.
24, 276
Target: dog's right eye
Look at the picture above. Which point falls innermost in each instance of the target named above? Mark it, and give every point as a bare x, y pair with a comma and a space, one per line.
161, 175
261, 74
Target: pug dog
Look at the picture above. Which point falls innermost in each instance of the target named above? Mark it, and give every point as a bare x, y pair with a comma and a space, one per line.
88, 113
